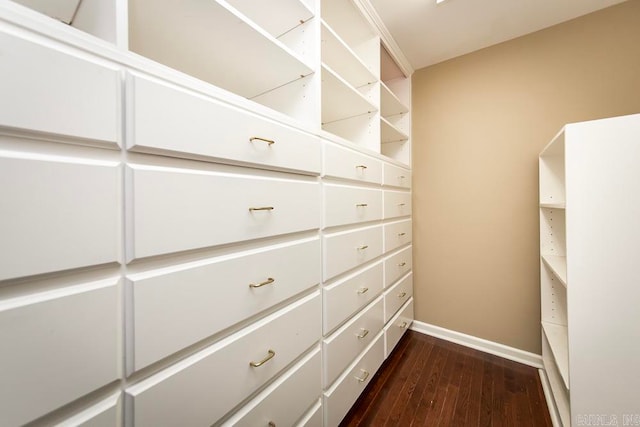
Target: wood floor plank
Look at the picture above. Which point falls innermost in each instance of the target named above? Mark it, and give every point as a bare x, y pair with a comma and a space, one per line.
433, 376
486, 396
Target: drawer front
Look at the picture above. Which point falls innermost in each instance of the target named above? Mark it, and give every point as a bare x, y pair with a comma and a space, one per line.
397, 326
47, 336
58, 214
313, 418
106, 413
55, 92
396, 176
346, 343
170, 118
348, 249
296, 390
340, 162
397, 234
397, 203
178, 209
348, 205
181, 305
350, 294
213, 381
397, 265
344, 393
397, 295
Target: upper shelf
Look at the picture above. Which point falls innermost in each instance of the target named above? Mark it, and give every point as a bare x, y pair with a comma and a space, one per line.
558, 265
390, 105
194, 42
274, 16
549, 205
390, 133
340, 100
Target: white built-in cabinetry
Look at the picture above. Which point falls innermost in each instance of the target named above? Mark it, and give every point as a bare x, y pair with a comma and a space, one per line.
198, 233
589, 242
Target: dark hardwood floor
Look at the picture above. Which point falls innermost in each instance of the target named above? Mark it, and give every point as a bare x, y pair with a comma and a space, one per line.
430, 382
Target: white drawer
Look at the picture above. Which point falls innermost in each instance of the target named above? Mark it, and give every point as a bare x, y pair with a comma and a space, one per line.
46, 90
396, 176
346, 343
178, 306
341, 162
170, 118
339, 399
397, 265
397, 234
106, 413
397, 203
395, 329
57, 346
348, 205
211, 382
345, 297
179, 209
57, 214
286, 400
397, 295
348, 249
313, 418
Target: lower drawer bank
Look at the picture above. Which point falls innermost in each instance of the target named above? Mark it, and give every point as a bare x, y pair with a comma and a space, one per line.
204, 387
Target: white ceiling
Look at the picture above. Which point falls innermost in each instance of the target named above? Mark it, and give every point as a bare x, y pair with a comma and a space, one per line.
428, 33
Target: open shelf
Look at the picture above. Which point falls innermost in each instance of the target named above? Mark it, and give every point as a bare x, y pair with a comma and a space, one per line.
559, 205
340, 100
559, 393
343, 60
558, 342
274, 16
558, 265
390, 133
390, 104
192, 36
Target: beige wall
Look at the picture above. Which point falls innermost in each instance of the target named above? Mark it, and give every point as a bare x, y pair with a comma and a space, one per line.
479, 122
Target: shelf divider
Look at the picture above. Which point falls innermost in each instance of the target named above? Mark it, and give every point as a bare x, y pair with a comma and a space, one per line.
558, 341
558, 265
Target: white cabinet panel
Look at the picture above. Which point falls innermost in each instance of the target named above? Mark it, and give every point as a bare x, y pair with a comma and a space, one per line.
397, 326
106, 413
313, 418
170, 118
397, 265
348, 295
397, 295
57, 213
397, 203
396, 176
178, 306
57, 346
47, 90
213, 381
348, 249
286, 400
179, 209
339, 399
348, 205
346, 343
397, 234
340, 162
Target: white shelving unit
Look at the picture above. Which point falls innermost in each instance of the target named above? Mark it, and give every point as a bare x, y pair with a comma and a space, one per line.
589, 241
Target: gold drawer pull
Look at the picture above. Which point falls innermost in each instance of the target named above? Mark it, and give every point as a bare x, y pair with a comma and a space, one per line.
257, 138
272, 424
261, 284
362, 291
263, 361
401, 204
403, 325
402, 264
362, 205
402, 234
262, 208
363, 247
402, 295
361, 167
364, 333
364, 377
401, 177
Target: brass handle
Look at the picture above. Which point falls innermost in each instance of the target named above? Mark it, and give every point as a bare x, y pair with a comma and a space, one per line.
361, 167
263, 361
364, 333
261, 284
363, 247
362, 290
262, 208
364, 377
401, 177
401, 204
272, 424
402, 264
401, 234
362, 205
257, 138
403, 325
402, 295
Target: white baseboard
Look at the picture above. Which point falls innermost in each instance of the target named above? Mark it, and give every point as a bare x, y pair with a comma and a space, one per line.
510, 353
548, 396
